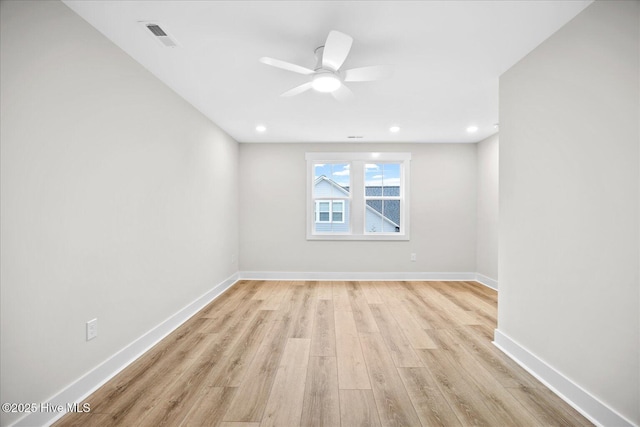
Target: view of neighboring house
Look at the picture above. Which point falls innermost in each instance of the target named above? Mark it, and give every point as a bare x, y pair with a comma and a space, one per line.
332, 213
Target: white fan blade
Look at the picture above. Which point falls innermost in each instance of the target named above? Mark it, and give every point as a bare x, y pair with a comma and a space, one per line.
367, 74
298, 89
343, 94
286, 65
336, 49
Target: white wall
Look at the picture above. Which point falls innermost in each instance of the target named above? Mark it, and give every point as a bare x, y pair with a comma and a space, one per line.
119, 200
273, 212
487, 214
569, 203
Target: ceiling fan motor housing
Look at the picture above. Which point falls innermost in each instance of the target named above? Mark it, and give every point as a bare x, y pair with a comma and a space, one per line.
325, 79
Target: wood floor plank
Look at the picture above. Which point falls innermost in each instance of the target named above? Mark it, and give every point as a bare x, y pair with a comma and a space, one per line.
264, 290
303, 304
431, 406
275, 297
232, 424
209, 408
505, 370
321, 399
499, 401
295, 353
85, 419
401, 351
236, 357
325, 290
488, 295
358, 409
352, 371
341, 297
465, 291
124, 391
546, 407
176, 399
464, 398
411, 328
360, 308
288, 386
394, 405
323, 336
230, 299
484, 312
224, 320
370, 293
253, 392
426, 313
452, 311
387, 290
149, 396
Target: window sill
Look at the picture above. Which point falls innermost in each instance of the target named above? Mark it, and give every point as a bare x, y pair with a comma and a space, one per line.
377, 237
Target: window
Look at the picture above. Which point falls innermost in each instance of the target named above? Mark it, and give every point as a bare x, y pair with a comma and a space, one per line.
358, 196
382, 196
330, 211
331, 195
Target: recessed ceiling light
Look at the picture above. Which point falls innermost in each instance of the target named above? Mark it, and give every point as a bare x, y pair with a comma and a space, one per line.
472, 129
394, 129
261, 128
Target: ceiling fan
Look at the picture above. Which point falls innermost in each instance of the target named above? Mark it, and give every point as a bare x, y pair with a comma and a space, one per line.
327, 76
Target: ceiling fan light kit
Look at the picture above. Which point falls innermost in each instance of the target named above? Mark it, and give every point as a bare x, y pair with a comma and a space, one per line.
325, 81
327, 77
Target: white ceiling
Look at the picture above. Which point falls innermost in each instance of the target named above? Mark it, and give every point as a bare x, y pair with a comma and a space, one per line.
446, 58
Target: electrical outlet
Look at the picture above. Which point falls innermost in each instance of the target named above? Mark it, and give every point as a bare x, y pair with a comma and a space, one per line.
92, 329
413, 257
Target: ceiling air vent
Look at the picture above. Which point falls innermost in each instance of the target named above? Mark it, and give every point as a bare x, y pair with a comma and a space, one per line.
160, 34
156, 30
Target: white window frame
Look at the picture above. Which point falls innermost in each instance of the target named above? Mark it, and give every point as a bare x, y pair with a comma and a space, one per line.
331, 203
357, 199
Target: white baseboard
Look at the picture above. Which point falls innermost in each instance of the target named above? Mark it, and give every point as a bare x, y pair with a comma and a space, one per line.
588, 405
487, 281
302, 275
90, 382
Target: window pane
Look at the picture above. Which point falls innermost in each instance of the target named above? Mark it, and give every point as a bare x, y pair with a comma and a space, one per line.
340, 174
373, 179
391, 211
337, 217
382, 216
324, 216
323, 206
391, 176
393, 191
382, 179
331, 179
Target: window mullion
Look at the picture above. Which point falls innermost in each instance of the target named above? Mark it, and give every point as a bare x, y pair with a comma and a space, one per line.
357, 197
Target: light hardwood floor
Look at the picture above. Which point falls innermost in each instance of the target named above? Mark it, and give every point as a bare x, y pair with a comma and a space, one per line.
331, 354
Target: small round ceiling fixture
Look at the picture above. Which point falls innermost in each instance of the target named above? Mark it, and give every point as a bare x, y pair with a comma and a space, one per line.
472, 129
394, 129
261, 128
